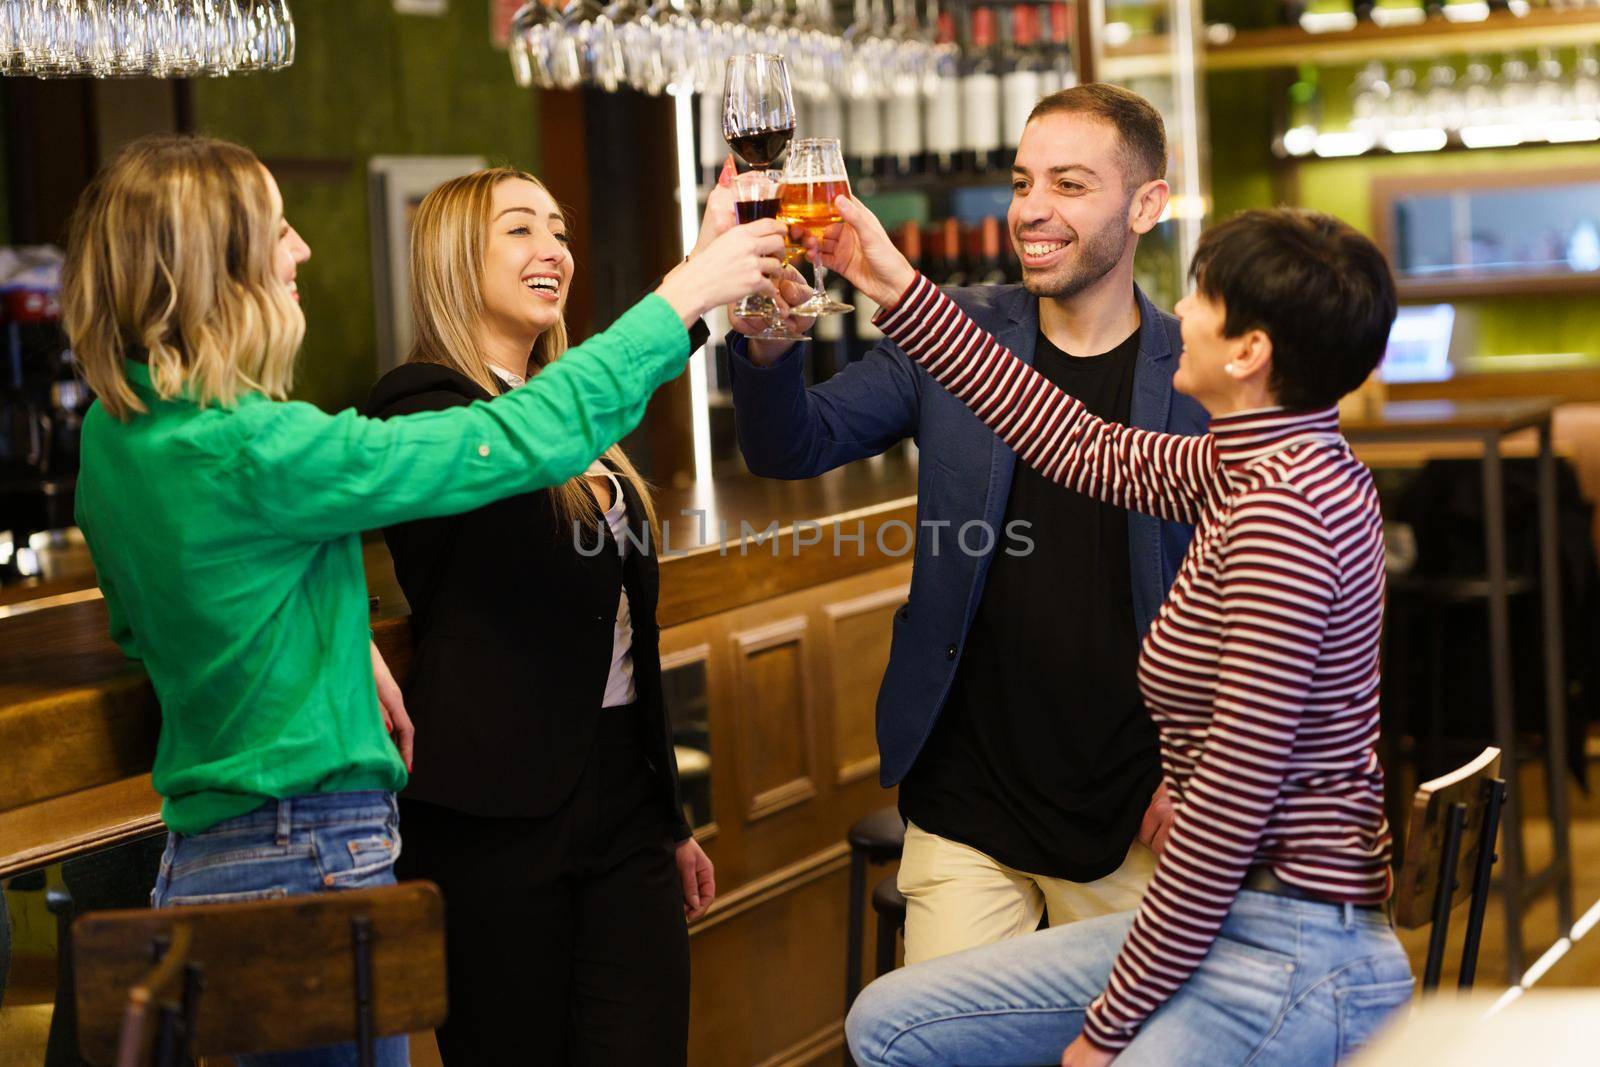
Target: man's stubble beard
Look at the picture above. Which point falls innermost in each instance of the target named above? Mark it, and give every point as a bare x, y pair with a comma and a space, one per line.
1097, 257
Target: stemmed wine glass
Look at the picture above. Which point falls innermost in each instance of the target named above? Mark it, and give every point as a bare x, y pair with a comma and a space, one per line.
758, 121
813, 176
757, 108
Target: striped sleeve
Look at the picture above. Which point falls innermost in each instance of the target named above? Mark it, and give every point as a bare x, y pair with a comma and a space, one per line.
1277, 580
1166, 475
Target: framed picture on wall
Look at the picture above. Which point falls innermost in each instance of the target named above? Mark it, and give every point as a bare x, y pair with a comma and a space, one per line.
396, 185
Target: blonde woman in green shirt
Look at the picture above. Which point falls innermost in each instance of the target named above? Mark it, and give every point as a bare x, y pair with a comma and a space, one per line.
224, 520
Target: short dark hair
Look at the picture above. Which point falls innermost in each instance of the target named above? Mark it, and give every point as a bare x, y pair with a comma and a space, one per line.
1319, 289
1137, 122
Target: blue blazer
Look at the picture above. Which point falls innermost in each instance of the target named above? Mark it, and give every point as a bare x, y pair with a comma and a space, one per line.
964, 473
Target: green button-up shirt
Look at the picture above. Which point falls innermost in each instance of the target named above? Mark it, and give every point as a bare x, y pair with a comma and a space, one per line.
227, 545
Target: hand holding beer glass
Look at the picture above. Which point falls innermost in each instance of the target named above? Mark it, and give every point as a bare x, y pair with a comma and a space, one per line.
813, 177
860, 249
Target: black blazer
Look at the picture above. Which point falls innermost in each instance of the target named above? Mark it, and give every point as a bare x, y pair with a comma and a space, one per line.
512, 628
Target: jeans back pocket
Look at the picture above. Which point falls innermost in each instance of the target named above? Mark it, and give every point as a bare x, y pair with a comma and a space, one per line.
357, 856
1363, 1010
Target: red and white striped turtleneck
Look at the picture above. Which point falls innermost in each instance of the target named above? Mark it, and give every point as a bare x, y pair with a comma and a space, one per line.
1261, 669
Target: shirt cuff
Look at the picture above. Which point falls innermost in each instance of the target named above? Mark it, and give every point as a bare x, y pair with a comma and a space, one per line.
739, 356
909, 308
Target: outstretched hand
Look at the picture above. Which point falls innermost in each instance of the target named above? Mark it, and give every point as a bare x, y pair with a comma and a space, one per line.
859, 248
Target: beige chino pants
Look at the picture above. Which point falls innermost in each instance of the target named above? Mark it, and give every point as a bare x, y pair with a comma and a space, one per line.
958, 898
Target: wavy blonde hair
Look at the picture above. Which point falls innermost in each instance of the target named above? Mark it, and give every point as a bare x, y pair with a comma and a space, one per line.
449, 238
170, 259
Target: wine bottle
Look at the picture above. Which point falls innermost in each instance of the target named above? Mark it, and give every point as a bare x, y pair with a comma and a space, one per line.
944, 106
903, 113
863, 141
980, 97
990, 268
956, 273
826, 116
1020, 69
1061, 71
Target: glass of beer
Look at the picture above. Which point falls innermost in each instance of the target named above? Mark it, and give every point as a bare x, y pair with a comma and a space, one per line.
813, 175
755, 194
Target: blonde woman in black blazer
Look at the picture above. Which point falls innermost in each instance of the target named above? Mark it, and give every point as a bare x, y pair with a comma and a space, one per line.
544, 796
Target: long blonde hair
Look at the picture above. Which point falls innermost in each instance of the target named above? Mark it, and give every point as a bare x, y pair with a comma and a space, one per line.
448, 244
171, 252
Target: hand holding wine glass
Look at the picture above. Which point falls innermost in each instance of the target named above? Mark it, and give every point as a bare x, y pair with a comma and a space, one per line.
758, 121
792, 291
740, 262
859, 248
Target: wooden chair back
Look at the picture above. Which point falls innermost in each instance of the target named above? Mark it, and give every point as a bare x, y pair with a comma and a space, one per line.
275, 975
1450, 842
154, 1004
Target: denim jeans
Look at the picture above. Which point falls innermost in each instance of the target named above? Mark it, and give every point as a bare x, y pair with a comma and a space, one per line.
287, 848
1290, 982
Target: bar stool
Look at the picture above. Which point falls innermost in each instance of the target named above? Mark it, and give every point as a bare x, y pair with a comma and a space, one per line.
890, 907
875, 839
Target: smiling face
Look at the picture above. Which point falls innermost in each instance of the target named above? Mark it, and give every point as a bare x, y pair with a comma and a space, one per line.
1070, 203
527, 266
291, 249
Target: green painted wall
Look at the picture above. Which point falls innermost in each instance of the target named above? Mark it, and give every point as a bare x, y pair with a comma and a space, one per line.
365, 82
1241, 107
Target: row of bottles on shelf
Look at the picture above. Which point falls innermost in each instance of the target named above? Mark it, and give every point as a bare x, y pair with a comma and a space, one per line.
1331, 16
970, 121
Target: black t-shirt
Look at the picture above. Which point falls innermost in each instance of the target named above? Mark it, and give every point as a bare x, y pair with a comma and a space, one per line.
1044, 757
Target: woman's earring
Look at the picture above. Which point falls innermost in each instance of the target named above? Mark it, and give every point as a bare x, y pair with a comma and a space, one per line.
1230, 370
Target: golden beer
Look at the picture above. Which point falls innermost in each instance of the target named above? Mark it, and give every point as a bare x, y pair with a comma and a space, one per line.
808, 203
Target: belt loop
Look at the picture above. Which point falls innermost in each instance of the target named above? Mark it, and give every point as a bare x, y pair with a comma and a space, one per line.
1349, 915
285, 821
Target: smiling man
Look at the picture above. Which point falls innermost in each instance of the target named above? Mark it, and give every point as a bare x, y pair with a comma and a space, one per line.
1009, 714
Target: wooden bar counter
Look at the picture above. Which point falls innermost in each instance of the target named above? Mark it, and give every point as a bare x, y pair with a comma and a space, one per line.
776, 608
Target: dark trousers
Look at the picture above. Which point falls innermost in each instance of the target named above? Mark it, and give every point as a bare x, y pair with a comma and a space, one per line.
566, 941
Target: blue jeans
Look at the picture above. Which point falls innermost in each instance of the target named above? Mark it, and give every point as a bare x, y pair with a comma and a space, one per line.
287, 848
1290, 982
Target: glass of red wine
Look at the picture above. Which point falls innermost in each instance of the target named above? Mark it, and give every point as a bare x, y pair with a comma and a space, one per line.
755, 195
758, 122
757, 108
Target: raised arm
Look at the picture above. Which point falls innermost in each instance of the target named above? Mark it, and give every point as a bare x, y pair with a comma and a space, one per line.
313, 476
1277, 581
1167, 475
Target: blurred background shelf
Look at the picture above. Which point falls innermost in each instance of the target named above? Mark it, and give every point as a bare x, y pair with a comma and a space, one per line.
1289, 46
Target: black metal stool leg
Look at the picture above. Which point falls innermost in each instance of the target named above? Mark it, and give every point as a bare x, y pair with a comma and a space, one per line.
1480, 883
854, 933
1456, 821
361, 947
